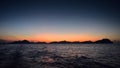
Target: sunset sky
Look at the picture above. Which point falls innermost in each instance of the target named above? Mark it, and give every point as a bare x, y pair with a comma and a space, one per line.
56, 20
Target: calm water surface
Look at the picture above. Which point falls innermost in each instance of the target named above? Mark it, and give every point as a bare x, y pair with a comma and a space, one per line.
108, 54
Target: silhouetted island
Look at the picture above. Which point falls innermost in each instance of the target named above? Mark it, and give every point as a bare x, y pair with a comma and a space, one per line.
26, 42
21, 42
102, 41
60, 42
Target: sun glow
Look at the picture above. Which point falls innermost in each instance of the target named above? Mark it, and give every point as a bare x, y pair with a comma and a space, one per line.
57, 37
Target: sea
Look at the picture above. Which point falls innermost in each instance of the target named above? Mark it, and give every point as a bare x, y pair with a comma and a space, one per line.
59, 55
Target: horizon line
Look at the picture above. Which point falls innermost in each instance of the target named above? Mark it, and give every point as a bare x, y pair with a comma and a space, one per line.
55, 41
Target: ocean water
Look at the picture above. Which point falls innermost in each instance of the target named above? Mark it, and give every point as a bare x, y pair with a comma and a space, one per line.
60, 56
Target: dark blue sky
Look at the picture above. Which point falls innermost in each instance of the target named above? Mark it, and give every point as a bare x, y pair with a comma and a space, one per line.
62, 19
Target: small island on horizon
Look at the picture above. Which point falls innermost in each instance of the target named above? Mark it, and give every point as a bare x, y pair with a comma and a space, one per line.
102, 41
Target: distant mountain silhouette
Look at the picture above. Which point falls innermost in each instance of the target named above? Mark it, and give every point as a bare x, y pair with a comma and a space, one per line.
64, 42
87, 42
60, 42
21, 42
40, 42
54, 42
75, 42
26, 42
103, 41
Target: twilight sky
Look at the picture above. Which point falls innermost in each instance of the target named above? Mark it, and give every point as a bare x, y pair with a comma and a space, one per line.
55, 20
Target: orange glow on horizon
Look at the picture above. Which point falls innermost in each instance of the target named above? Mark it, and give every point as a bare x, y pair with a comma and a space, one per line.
49, 37
54, 37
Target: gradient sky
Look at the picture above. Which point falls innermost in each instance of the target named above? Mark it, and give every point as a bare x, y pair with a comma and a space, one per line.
55, 20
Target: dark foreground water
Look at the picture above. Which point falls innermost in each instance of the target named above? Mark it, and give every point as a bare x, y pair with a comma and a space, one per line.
60, 56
